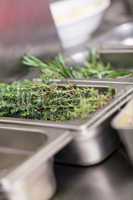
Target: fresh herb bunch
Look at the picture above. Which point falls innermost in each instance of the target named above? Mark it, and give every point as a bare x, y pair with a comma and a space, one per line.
95, 68
37, 100
56, 69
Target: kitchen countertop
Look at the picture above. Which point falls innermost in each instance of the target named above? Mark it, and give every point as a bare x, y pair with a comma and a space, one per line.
111, 180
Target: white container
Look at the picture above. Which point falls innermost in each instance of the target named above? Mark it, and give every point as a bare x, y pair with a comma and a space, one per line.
76, 20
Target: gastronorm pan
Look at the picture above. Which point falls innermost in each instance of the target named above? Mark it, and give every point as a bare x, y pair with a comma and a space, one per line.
119, 36
123, 122
94, 140
121, 60
116, 46
26, 161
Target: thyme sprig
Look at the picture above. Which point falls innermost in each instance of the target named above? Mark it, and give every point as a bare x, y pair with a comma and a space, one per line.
37, 100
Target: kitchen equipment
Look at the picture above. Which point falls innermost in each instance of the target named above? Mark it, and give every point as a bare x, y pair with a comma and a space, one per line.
116, 46
26, 167
123, 122
119, 37
107, 63
94, 140
119, 58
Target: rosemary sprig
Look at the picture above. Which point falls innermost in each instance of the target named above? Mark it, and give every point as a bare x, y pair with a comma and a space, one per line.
56, 69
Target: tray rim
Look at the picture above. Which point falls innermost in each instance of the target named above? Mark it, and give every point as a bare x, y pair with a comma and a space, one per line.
78, 125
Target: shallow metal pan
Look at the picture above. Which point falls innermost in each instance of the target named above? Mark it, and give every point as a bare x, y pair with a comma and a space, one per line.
121, 91
121, 83
121, 60
116, 46
97, 141
26, 161
119, 37
123, 122
94, 140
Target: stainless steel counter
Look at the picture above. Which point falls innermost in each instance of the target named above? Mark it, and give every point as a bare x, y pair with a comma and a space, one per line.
111, 180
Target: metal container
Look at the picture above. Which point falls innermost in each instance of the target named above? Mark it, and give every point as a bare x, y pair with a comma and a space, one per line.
119, 37
116, 46
26, 155
120, 59
94, 140
123, 122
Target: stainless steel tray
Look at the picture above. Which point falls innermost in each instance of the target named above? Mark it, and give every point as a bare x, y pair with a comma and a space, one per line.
123, 122
94, 140
120, 60
121, 83
116, 46
118, 38
26, 161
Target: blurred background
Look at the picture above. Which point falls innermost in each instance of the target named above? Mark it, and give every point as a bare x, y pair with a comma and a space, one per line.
47, 28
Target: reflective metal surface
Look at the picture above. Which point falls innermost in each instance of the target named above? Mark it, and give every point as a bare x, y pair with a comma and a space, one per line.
118, 38
122, 91
21, 141
94, 144
94, 140
90, 146
116, 46
119, 59
26, 161
111, 180
123, 122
